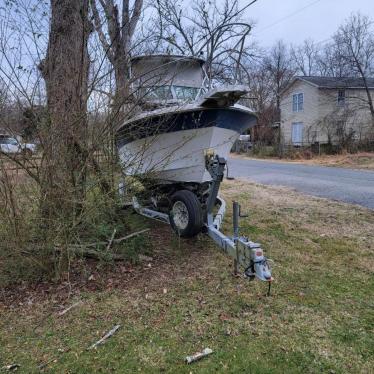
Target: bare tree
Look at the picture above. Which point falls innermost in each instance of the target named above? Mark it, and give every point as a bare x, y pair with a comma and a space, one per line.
336, 125
278, 63
115, 29
354, 42
330, 62
305, 58
54, 178
65, 70
262, 101
215, 30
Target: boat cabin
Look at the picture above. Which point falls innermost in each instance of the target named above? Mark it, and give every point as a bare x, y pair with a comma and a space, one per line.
167, 78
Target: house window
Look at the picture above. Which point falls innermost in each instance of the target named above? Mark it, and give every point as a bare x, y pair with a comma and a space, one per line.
297, 133
298, 102
341, 97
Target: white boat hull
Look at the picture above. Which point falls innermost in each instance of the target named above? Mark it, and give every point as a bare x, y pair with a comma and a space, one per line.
176, 156
171, 145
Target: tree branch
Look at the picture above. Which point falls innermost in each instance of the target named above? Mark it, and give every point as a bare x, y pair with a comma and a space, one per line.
99, 29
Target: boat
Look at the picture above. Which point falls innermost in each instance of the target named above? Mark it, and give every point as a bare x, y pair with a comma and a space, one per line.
178, 143
181, 121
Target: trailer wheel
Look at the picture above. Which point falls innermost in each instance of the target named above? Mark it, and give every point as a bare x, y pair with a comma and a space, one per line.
186, 216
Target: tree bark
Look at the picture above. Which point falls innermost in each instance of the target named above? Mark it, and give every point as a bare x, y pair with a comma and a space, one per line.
65, 71
121, 73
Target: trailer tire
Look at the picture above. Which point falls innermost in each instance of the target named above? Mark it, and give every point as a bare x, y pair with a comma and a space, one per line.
186, 215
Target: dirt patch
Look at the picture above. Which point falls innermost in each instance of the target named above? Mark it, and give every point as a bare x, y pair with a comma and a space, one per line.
88, 275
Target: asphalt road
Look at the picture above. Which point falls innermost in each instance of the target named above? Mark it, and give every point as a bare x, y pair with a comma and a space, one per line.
351, 186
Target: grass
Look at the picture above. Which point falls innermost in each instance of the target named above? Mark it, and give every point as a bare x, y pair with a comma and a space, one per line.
319, 317
360, 160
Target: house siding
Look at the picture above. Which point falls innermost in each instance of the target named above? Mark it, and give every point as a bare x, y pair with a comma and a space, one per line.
308, 116
322, 112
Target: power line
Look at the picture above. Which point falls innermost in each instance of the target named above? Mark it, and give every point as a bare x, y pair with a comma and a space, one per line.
248, 5
325, 41
289, 15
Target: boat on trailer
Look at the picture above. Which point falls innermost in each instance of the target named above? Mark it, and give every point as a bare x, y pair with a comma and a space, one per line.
179, 143
169, 143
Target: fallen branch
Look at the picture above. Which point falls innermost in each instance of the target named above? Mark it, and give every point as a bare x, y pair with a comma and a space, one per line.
98, 255
119, 240
111, 240
11, 367
130, 236
70, 308
82, 250
105, 337
198, 356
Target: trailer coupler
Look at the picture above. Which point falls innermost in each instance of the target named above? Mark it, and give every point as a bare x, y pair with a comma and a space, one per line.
246, 254
259, 267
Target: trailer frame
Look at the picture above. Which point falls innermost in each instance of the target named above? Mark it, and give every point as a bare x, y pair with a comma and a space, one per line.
246, 254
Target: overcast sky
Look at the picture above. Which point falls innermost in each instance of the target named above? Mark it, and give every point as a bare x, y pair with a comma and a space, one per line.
297, 20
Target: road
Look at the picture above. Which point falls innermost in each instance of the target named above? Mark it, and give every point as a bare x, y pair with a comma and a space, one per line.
351, 186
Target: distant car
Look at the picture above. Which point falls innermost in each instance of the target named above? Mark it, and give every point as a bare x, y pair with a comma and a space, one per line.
11, 145
245, 138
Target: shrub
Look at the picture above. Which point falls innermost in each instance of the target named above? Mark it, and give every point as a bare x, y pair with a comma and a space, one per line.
264, 151
30, 253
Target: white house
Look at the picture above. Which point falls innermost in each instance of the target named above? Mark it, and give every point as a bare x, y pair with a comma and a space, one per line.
326, 109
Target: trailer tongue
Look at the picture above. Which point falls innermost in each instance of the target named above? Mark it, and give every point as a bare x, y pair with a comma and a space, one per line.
247, 255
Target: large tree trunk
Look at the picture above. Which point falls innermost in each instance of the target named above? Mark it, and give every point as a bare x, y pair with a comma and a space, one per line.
65, 70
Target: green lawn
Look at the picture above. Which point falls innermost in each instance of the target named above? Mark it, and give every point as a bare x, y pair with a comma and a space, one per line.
319, 318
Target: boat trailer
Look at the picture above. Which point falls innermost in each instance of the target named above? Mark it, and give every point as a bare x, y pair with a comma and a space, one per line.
246, 254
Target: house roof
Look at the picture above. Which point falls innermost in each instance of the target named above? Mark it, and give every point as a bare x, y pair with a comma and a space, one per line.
332, 82
168, 58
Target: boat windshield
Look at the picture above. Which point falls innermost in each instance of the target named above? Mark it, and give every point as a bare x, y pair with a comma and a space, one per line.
186, 93
163, 93
158, 93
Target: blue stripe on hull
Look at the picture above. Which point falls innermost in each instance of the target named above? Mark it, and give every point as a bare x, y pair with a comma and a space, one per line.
227, 118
